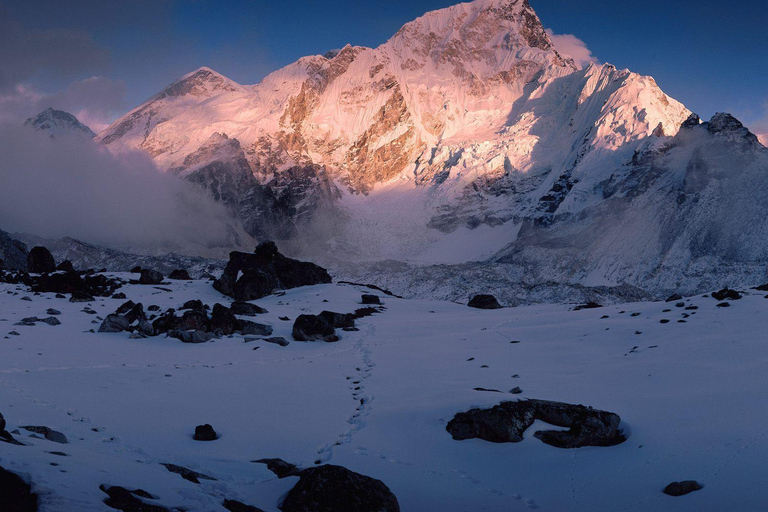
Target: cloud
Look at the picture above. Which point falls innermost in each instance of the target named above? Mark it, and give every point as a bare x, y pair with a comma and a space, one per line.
571, 46
95, 101
72, 187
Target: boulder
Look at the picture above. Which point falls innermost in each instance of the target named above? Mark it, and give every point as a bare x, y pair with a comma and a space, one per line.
484, 302
253, 276
150, 277
279, 467
674, 297
682, 488
15, 494
370, 299
65, 266
237, 506
186, 473
330, 488
40, 260
193, 304
180, 275
224, 320
247, 309
205, 433
506, 423
339, 320
121, 498
255, 329
49, 434
277, 340
726, 294
313, 328
80, 296
136, 270
115, 323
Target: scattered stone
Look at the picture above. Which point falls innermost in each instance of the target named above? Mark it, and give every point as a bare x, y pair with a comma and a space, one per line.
277, 340
51, 311
125, 500
192, 304
484, 302
115, 323
253, 276
51, 320
726, 294
205, 433
370, 299
254, 329
588, 305
28, 299
674, 297
313, 328
279, 467
15, 494
180, 275
51, 435
80, 296
330, 488
187, 474
506, 422
247, 309
682, 488
153, 307
664, 321
40, 261
486, 389
150, 277
724, 305
516, 390
680, 305
120, 295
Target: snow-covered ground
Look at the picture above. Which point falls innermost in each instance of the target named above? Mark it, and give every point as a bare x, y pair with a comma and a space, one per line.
691, 396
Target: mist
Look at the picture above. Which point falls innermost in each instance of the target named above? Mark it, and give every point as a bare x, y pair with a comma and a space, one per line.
74, 187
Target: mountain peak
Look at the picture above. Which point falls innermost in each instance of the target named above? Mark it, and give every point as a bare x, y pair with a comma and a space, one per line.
58, 122
204, 81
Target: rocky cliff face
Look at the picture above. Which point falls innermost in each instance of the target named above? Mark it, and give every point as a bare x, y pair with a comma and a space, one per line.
57, 123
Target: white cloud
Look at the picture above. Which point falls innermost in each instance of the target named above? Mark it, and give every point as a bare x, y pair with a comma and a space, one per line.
571, 46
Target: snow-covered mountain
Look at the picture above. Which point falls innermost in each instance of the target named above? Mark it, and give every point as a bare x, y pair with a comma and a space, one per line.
465, 137
58, 123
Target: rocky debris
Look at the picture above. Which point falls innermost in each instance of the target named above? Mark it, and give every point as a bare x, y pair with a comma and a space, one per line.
15, 494
237, 506
49, 434
205, 433
674, 297
187, 474
484, 302
115, 323
279, 467
149, 276
506, 423
246, 309
81, 297
313, 328
180, 275
121, 498
40, 261
588, 305
253, 276
191, 336
370, 299
330, 488
224, 320
51, 320
682, 488
726, 294
277, 340
339, 320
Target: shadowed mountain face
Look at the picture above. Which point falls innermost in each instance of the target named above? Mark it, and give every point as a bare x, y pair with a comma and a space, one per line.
58, 123
467, 137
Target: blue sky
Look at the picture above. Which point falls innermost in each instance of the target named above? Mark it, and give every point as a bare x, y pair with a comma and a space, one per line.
711, 55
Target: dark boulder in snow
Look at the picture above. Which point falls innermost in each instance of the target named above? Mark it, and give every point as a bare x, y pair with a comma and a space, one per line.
180, 275
223, 320
49, 434
136, 270
253, 276
80, 296
186, 473
370, 299
484, 302
255, 329
674, 297
588, 305
115, 323
65, 266
682, 488
205, 433
40, 260
150, 277
339, 320
277, 340
330, 488
506, 423
313, 328
726, 294
15, 494
121, 498
193, 304
246, 309
237, 506
279, 467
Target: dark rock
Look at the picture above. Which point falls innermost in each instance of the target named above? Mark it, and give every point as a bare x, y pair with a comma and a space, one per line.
279, 467
246, 309
65, 266
339, 320
726, 294
264, 271
682, 488
150, 277
120, 295
51, 320
51, 435
674, 297
254, 329
190, 336
136, 270
193, 304
484, 302
692, 122
724, 305
115, 323
180, 275
125, 500
762, 288
588, 305
224, 320
313, 328
15, 494
330, 488
236, 506
153, 307
5, 436
370, 299
516, 390
40, 260
187, 474
194, 320
506, 422
79, 296
125, 307
51, 311
278, 340
205, 433
363, 312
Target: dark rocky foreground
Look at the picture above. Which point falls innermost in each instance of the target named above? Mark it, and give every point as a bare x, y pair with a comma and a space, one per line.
506, 423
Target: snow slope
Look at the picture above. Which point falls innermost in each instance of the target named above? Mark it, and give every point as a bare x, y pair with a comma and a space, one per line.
690, 395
